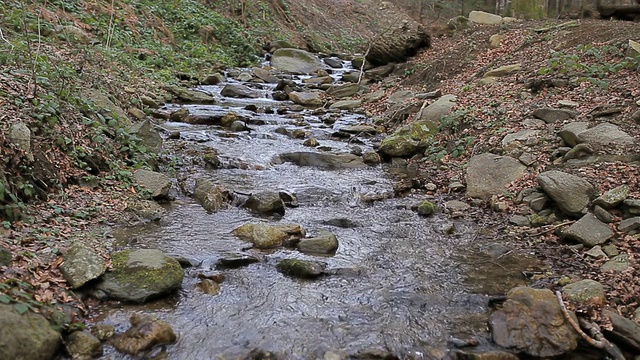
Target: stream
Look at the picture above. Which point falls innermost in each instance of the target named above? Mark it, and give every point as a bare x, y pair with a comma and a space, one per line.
399, 283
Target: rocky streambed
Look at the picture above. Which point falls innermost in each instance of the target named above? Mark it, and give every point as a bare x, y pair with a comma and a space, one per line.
293, 240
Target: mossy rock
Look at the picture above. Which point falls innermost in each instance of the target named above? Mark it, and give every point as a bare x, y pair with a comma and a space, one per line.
426, 208
301, 268
141, 275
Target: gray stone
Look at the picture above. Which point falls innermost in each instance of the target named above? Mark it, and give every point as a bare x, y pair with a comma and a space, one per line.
550, 115
459, 23
602, 214
360, 129
569, 133
570, 193
630, 224
301, 268
141, 275
495, 40
436, 110
409, 140
351, 76
103, 331
624, 330
156, 183
481, 17
374, 96
520, 220
239, 91
189, 96
148, 101
596, 252
145, 332
636, 117
371, 158
611, 250
82, 345
531, 321
322, 160
617, 263
82, 264
214, 79
236, 260
310, 98
333, 63
578, 152
503, 71
527, 159
149, 136
536, 200
344, 90
605, 134
489, 174
244, 77
20, 135
521, 136
613, 197
295, 61
346, 104
266, 202
456, 206
632, 206
589, 231
28, 336
264, 75
400, 97
585, 292
568, 104
325, 243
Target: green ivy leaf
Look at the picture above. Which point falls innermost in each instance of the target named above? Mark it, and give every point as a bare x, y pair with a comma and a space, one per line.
21, 308
5, 299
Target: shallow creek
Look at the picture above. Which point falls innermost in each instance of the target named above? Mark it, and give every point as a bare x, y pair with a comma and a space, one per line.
399, 282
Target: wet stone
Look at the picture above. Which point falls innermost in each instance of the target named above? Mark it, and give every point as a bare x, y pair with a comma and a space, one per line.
301, 268
83, 345
145, 332
232, 261
208, 287
325, 243
103, 331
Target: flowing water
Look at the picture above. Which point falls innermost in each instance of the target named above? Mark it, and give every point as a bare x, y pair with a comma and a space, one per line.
398, 281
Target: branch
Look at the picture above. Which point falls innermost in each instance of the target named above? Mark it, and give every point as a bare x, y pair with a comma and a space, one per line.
374, 39
5, 40
551, 228
599, 342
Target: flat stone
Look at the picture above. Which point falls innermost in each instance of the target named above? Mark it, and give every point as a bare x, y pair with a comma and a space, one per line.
550, 115
624, 330
589, 231
521, 136
568, 104
630, 224
346, 104
605, 134
503, 71
236, 260
489, 174
437, 109
81, 265
156, 183
585, 292
632, 206
596, 252
602, 214
482, 17
613, 197
617, 264
520, 220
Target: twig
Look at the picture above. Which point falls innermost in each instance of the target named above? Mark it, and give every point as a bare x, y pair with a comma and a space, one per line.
5, 40
111, 27
600, 343
551, 228
373, 40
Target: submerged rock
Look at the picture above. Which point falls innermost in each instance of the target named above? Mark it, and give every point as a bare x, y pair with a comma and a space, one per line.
301, 268
325, 243
323, 160
145, 332
531, 321
141, 275
27, 336
266, 202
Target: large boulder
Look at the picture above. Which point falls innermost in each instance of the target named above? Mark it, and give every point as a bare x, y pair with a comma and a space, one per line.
156, 183
489, 174
82, 264
398, 43
570, 193
343, 90
28, 336
531, 321
409, 140
145, 332
436, 110
141, 275
481, 17
295, 61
